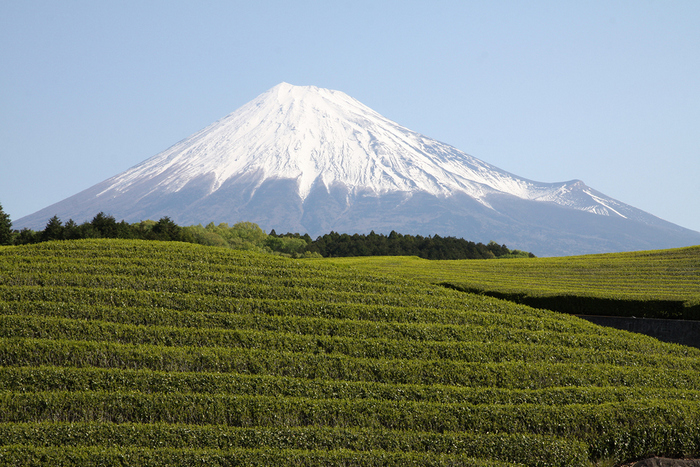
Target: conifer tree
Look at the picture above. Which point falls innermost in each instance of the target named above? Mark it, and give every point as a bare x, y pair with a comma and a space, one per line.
53, 230
5, 228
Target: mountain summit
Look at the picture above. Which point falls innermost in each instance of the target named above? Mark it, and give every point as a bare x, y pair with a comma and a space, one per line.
321, 138
307, 159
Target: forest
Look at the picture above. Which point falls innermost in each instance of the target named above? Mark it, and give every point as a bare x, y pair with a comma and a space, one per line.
249, 236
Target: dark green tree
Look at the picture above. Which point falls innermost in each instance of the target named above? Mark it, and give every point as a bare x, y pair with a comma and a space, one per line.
104, 226
27, 236
166, 229
53, 230
71, 230
5, 228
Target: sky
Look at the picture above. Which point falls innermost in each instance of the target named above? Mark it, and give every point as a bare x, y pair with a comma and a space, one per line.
607, 92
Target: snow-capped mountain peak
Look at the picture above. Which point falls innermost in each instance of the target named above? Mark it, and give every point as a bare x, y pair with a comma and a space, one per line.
307, 159
315, 135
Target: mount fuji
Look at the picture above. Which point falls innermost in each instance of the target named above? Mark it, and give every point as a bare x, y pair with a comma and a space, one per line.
306, 159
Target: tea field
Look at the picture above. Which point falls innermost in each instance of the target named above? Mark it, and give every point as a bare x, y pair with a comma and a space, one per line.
118, 352
654, 284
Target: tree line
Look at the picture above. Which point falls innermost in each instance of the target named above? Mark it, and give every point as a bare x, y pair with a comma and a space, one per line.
249, 236
396, 244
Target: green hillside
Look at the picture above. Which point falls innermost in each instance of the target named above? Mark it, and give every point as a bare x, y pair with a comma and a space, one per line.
655, 284
116, 352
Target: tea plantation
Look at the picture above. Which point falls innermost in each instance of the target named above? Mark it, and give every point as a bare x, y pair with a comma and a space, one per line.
653, 284
116, 352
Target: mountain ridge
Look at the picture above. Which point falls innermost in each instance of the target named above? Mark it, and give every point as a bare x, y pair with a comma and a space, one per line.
303, 158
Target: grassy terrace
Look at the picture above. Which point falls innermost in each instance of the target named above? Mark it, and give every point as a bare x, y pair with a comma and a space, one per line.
149, 353
663, 283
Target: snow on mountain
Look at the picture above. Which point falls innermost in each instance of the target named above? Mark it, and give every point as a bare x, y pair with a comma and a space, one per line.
306, 159
315, 135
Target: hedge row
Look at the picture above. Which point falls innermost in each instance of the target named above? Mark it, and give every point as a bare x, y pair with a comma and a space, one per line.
517, 374
30, 456
597, 306
357, 329
471, 309
355, 347
537, 449
228, 294
234, 286
597, 425
154, 266
40, 379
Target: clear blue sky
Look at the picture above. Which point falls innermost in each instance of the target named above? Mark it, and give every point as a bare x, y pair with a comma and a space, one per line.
603, 91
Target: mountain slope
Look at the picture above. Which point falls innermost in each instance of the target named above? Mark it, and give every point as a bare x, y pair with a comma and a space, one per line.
308, 159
